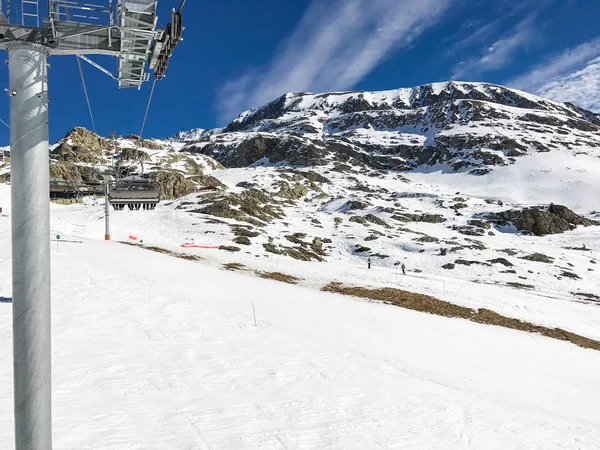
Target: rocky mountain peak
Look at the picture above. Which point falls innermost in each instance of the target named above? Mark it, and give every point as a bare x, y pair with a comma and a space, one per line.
455, 126
428, 95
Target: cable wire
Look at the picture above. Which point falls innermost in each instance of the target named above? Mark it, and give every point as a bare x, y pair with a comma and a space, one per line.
5, 123
87, 98
147, 109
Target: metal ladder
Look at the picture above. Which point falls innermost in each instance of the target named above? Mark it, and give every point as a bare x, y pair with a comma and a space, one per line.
30, 13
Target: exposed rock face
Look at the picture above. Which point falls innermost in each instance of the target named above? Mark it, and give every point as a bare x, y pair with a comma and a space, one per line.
470, 127
172, 184
81, 146
290, 149
146, 143
82, 159
132, 154
429, 218
72, 172
253, 206
541, 221
207, 182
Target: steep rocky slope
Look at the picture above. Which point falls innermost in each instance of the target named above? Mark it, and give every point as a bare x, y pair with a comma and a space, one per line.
84, 157
458, 126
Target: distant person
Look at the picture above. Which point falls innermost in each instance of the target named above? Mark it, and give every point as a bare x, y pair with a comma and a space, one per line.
403, 267
368, 263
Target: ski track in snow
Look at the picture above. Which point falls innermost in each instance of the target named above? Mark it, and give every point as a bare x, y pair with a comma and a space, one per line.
154, 352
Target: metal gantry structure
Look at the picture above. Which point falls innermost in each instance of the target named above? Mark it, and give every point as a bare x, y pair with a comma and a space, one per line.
125, 29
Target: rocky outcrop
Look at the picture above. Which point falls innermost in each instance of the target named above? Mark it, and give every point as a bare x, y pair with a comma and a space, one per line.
146, 143
541, 221
64, 170
81, 146
251, 149
132, 154
172, 184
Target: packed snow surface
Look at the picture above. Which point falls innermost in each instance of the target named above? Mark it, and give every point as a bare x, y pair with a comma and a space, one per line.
155, 352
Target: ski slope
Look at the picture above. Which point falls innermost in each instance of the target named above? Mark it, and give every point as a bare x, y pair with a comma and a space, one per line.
155, 352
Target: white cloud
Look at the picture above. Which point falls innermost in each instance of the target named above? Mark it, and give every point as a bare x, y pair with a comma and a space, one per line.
581, 87
498, 54
573, 75
335, 45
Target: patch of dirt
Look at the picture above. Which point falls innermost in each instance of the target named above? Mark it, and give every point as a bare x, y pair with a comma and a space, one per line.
567, 274
431, 305
278, 276
505, 262
229, 248
538, 257
234, 266
469, 263
242, 240
518, 285
164, 251
588, 297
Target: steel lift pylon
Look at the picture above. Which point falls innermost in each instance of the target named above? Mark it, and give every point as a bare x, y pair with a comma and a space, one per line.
127, 32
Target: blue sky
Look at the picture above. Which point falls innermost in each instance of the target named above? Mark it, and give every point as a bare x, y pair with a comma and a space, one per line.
243, 53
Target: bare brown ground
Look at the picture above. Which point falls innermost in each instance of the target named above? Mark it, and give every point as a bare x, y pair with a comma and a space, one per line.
164, 251
278, 276
431, 305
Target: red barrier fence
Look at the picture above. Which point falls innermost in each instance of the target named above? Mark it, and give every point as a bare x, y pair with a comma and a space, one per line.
192, 245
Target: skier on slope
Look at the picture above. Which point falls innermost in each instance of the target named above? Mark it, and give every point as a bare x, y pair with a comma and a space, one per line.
368, 263
403, 267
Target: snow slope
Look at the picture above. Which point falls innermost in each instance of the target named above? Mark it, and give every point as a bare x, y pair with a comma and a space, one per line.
154, 352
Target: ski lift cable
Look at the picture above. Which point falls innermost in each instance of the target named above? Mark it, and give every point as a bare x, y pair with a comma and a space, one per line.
87, 98
147, 109
7, 125
85, 91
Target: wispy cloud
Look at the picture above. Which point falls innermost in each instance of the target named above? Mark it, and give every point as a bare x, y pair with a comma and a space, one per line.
567, 68
581, 87
498, 54
335, 45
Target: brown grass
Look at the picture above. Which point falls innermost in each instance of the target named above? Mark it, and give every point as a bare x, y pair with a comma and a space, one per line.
164, 251
234, 266
431, 305
278, 276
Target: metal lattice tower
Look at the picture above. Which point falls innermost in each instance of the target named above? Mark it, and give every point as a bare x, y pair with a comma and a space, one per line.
127, 32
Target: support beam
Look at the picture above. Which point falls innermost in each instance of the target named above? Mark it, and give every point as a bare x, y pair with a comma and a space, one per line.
106, 210
30, 245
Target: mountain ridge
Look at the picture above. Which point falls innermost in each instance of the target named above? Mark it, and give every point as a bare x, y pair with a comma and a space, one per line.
420, 96
464, 126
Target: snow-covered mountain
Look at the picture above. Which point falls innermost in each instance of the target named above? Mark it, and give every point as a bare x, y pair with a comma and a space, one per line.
451, 176
469, 180
486, 196
467, 127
